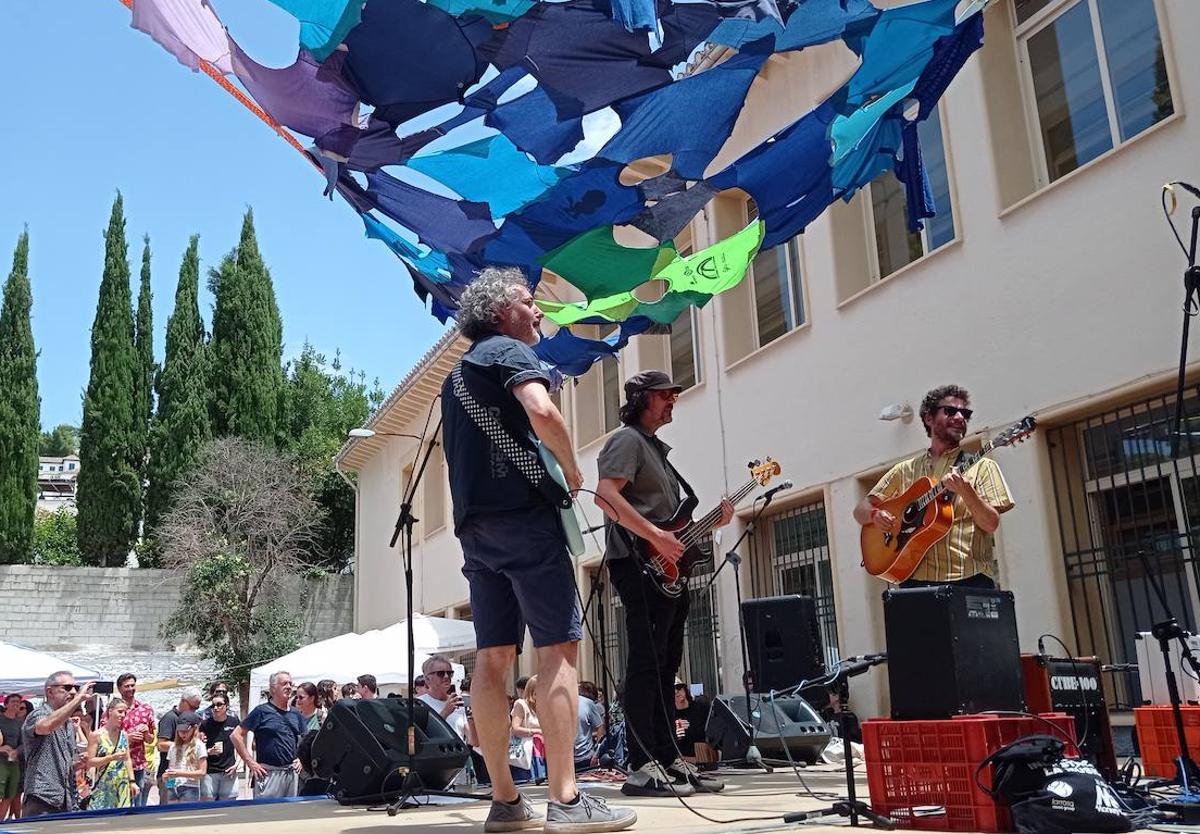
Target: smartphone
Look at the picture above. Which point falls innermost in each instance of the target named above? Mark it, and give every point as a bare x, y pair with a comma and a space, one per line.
103, 688
466, 698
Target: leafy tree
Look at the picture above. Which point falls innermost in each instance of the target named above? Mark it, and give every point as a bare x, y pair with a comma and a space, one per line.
20, 409
181, 425
321, 404
55, 538
63, 441
247, 344
241, 524
143, 340
111, 442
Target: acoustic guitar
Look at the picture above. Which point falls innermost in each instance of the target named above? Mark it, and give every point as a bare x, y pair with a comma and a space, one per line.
669, 576
924, 513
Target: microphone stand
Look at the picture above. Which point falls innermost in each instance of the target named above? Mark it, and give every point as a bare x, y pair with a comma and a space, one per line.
1191, 287
753, 757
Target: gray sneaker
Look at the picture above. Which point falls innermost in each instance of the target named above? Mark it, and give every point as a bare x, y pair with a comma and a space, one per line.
589, 814
507, 817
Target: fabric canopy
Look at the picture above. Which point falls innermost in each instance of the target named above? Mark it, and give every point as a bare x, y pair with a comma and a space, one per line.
436, 635
24, 671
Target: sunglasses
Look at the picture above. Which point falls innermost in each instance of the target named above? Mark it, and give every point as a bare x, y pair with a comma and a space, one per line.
219, 704
443, 673
951, 410
68, 687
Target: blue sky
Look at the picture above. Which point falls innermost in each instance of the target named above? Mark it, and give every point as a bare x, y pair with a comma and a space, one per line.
92, 106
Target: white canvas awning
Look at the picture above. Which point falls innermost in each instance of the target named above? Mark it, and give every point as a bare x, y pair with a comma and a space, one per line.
437, 635
24, 671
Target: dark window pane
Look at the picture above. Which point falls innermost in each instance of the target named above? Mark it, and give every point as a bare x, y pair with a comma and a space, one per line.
1072, 115
1028, 8
777, 295
1136, 66
683, 354
894, 243
939, 228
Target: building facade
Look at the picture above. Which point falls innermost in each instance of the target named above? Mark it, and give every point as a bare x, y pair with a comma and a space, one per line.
1049, 284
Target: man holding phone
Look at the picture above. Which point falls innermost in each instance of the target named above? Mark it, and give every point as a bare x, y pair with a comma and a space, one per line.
49, 741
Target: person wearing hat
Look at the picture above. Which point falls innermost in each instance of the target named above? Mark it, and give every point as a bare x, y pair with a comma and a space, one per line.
638, 486
187, 760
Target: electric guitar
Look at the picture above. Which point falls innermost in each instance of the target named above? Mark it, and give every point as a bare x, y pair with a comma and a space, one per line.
924, 513
566, 515
669, 575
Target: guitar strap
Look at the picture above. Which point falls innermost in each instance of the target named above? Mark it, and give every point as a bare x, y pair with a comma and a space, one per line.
524, 459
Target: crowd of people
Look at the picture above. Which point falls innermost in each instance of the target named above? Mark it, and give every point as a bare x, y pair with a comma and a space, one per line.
79, 751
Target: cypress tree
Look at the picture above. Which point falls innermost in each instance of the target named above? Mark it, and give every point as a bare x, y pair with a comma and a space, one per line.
109, 498
181, 425
247, 345
143, 341
20, 415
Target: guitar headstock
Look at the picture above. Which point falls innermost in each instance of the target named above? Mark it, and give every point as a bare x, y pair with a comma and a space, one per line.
1018, 432
764, 470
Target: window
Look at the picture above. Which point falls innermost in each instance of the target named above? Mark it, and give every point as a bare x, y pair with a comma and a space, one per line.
778, 295
435, 491
597, 395
895, 246
1095, 74
683, 344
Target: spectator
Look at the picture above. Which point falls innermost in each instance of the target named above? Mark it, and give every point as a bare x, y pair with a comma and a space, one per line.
590, 727
83, 782
439, 679
277, 731
368, 689
525, 729
220, 776
109, 754
10, 757
420, 687
49, 742
140, 728
519, 686
691, 717
219, 689
350, 690
308, 703
328, 692
187, 760
189, 701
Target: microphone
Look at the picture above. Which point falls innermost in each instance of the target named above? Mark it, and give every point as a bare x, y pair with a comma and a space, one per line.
1191, 189
770, 493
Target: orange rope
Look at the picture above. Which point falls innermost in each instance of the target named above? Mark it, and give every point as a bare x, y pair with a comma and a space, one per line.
215, 74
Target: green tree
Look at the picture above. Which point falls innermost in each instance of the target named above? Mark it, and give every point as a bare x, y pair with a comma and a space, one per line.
143, 340
321, 404
109, 487
241, 525
247, 344
55, 539
63, 441
20, 410
181, 424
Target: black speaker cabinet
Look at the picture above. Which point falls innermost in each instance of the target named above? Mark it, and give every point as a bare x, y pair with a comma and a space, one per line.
783, 641
789, 720
362, 748
951, 651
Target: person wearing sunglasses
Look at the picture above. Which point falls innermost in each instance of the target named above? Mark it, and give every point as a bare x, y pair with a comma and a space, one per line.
964, 555
50, 755
220, 779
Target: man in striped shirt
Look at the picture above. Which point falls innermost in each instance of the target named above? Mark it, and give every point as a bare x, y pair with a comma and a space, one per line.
964, 555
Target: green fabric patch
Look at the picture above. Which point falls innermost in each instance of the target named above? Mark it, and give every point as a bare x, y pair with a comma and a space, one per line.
596, 265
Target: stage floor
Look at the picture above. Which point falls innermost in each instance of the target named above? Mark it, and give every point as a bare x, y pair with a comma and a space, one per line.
765, 797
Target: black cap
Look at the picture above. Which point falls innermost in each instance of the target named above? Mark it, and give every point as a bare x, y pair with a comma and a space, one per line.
185, 720
650, 381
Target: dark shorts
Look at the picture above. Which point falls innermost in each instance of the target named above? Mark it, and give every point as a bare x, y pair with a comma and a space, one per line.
520, 574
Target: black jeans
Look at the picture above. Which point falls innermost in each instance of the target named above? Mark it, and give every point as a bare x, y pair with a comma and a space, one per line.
654, 626
979, 580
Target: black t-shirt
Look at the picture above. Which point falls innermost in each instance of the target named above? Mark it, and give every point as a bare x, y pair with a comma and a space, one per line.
696, 714
482, 477
215, 731
166, 724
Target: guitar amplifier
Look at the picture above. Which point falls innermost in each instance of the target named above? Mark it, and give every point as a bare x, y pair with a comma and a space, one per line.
951, 651
785, 721
1073, 686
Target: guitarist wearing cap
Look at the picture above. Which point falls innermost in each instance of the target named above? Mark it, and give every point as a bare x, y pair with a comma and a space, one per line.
636, 485
980, 496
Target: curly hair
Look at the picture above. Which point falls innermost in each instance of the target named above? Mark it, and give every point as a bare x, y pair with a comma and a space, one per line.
486, 297
631, 411
930, 403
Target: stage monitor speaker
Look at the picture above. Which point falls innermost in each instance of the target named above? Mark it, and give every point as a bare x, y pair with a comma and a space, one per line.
789, 720
783, 641
951, 651
362, 748
1074, 686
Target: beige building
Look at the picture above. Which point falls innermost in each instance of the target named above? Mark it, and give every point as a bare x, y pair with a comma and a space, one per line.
1050, 284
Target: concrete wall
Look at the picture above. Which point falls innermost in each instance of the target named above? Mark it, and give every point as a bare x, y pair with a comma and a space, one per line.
65, 608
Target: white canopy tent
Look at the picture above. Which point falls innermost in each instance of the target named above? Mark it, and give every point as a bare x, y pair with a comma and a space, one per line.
383, 654
24, 671
437, 635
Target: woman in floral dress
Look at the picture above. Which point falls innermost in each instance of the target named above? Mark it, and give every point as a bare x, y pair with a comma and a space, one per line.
108, 755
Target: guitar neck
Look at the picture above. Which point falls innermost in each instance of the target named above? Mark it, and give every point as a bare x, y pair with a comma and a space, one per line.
962, 466
709, 520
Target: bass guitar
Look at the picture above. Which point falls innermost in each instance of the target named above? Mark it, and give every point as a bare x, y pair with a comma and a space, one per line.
670, 575
924, 513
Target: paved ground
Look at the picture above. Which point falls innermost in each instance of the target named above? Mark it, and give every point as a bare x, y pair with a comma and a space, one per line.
753, 802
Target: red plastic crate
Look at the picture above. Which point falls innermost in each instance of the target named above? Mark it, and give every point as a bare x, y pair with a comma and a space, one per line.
915, 763
1158, 740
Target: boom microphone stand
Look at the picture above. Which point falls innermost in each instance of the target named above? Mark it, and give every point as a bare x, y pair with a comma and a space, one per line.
1191, 287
